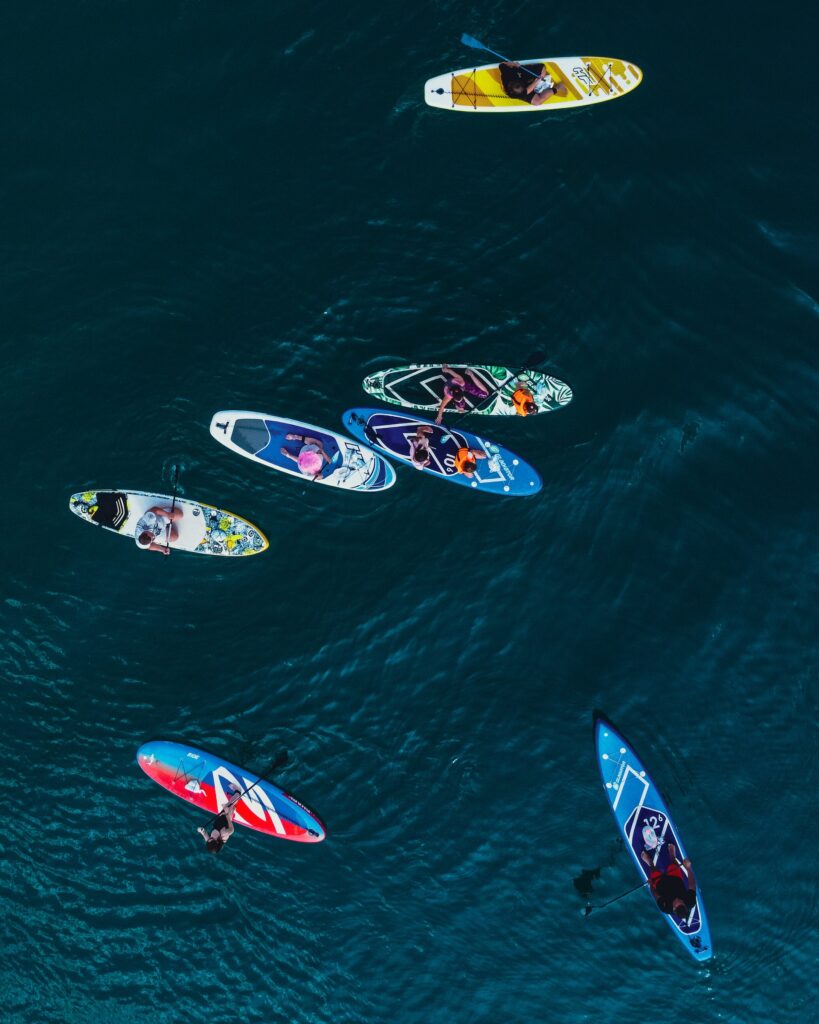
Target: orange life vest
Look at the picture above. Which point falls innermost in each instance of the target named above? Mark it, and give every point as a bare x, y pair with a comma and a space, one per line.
461, 456
519, 400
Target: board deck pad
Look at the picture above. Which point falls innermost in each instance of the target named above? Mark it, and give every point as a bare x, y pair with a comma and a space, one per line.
203, 529
421, 386
588, 80
207, 782
502, 472
643, 819
260, 437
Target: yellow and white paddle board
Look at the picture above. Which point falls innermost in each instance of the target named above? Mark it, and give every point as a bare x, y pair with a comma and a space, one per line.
587, 80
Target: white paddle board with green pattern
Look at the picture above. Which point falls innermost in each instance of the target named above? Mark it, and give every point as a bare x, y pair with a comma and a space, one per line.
421, 386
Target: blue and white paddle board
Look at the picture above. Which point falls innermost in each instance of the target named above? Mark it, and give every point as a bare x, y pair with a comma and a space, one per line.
645, 823
501, 472
257, 436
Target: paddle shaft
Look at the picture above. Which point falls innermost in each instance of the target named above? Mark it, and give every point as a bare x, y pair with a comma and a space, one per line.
476, 44
590, 908
281, 759
173, 507
599, 906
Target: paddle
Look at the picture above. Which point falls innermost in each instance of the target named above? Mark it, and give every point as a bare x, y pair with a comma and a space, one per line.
533, 361
369, 433
476, 44
599, 906
279, 762
590, 908
173, 506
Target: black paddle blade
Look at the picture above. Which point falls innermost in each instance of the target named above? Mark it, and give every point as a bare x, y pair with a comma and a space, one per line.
280, 761
583, 882
588, 909
535, 359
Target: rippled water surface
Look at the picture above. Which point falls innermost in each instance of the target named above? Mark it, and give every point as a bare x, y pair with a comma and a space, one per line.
212, 205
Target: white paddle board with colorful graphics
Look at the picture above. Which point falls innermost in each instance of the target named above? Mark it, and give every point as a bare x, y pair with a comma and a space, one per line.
587, 80
203, 529
277, 443
208, 782
421, 386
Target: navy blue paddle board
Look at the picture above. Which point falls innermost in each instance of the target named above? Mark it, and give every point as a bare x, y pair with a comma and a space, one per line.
501, 472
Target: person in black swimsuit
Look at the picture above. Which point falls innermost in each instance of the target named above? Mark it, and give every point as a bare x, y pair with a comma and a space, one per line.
534, 88
222, 827
674, 892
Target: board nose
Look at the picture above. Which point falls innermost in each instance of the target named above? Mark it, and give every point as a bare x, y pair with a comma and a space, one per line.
221, 423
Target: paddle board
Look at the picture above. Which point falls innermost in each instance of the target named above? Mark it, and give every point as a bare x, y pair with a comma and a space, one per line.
421, 386
501, 472
207, 781
203, 529
588, 80
257, 436
645, 823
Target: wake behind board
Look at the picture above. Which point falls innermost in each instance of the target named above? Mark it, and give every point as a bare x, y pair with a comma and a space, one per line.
645, 823
208, 782
588, 80
203, 529
501, 472
421, 386
257, 436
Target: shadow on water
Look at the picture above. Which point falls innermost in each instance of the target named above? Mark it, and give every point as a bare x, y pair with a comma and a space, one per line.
583, 882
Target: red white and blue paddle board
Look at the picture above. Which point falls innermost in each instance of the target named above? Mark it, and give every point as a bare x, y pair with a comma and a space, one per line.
645, 824
501, 472
207, 782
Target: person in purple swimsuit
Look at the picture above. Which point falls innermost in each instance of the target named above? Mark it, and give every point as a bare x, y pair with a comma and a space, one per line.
457, 387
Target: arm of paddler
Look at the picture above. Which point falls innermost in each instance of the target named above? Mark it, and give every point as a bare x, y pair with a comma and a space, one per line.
692, 881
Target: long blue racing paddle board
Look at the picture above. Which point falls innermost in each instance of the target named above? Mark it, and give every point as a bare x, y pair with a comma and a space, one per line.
645, 824
501, 472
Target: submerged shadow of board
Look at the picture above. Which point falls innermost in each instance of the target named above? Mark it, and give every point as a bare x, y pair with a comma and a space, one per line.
583, 882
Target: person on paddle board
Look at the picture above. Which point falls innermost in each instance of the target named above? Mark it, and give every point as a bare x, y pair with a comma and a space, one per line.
457, 387
222, 826
675, 893
533, 88
523, 400
156, 529
420, 454
466, 461
311, 457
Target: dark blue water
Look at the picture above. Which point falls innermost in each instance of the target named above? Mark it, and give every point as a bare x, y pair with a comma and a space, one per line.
211, 205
